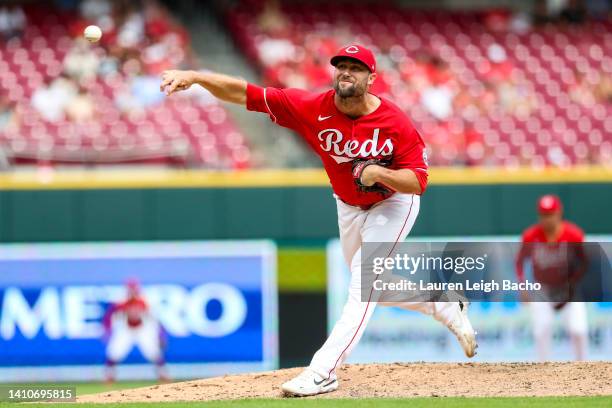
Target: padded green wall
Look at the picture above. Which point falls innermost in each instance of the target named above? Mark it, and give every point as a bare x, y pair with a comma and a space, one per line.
286, 213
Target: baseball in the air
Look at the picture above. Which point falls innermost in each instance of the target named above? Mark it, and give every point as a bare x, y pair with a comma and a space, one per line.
92, 33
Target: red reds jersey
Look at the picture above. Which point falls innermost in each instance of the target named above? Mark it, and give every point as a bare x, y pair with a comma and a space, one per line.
386, 134
132, 310
555, 262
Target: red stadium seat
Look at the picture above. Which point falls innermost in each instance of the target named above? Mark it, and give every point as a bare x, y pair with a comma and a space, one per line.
166, 131
544, 58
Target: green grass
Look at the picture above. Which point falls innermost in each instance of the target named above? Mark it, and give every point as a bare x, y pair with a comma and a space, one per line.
88, 387
534, 402
94, 388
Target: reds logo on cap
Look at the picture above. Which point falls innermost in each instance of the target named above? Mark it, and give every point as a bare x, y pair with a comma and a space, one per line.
549, 204
356, 52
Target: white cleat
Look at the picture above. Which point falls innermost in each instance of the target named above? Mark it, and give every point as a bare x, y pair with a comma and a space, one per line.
309, 383
461, 327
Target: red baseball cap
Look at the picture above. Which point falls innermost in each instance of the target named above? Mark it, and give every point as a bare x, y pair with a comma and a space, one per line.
133, 285
357, 52
549, 204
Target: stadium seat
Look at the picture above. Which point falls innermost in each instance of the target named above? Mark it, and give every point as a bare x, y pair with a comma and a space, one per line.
163, 133
546, 59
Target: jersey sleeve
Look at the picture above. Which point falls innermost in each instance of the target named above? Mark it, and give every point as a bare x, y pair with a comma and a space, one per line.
412, 154
578, 234
285, 107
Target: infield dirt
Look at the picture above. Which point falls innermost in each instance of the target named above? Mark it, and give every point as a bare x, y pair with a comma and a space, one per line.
394, 380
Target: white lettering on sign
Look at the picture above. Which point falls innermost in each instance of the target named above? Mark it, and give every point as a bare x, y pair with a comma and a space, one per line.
233, 306
76, 312
82, 310
17, 313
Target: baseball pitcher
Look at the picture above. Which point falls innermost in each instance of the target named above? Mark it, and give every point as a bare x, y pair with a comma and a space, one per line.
377, 165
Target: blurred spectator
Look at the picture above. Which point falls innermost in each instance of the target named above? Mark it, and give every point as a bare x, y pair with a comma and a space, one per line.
131, 33
474, 147
292, 76
569, 11
167, 53
81, 62
94, 10
438, 96
109, 65
272, 20
81, 108
466, 106
317, 73
486, 98
51, 101
516, 98
513, 94
476, 76
603, 89
275, 50
417, 72
547, 11
497, 19
157, 21
66, 81
4, 162
521, 22
438, 100
574, 12
581, 91
499, 67
141, 91
12, 21
8, 113
591, 88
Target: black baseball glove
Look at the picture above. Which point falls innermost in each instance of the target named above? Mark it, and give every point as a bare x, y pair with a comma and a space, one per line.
359, 166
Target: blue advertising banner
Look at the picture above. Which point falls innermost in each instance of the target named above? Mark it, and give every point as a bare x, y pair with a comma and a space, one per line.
210, 309
507, 330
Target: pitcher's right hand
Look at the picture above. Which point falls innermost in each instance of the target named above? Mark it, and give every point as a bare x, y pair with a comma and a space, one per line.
175, 80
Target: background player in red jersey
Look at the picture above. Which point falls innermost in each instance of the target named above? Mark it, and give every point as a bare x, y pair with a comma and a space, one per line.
558, 266
377, 166
128, 324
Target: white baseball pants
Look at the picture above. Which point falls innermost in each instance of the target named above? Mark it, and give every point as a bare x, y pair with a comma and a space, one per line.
388, 221
574, 317
124, 339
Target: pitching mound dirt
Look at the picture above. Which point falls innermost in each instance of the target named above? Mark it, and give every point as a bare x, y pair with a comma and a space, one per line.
395, 380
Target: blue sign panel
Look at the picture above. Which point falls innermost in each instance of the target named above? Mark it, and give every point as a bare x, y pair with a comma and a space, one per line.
505, 329
209, 309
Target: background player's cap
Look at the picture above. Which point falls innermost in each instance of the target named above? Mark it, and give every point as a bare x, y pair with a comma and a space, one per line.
549, 204
358, 52
133, 285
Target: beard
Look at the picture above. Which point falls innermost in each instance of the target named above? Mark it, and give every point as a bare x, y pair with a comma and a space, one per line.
356, 89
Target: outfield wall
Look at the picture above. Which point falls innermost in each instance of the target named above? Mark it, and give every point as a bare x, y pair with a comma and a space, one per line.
295, 208
275, 205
